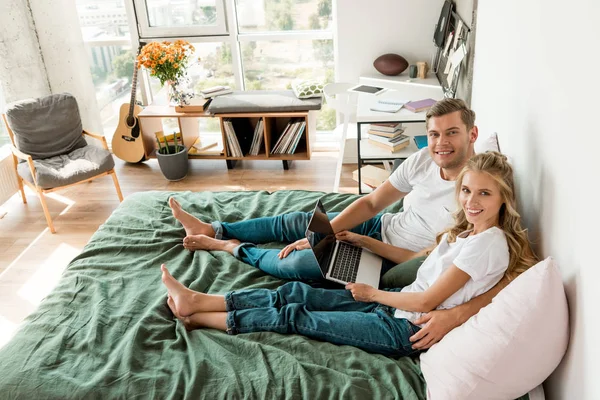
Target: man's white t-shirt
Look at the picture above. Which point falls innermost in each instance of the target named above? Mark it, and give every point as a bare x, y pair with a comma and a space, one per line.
428, 206
484, 257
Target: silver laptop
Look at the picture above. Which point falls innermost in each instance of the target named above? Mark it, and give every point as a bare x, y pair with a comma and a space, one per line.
340, 261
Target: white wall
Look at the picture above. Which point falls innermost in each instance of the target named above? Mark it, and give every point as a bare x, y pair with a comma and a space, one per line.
42, 52
535, 83
367, 29
22, 71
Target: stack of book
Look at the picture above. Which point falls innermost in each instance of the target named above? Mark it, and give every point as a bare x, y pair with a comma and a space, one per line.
197, 104
233, 145
215, 91
388, 136
257, 138
289, 139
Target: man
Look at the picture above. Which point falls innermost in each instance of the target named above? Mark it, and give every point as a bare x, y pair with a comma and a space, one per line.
425, 181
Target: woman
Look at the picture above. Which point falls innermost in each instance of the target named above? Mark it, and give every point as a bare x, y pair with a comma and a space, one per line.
486, 243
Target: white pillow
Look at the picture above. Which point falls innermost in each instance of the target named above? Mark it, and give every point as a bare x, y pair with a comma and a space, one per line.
509, 347
488, 144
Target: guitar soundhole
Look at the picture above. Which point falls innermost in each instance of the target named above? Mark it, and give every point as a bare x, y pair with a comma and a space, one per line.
135, 131
130, 121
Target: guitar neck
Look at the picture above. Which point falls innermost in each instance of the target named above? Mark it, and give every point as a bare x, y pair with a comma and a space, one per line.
133, 89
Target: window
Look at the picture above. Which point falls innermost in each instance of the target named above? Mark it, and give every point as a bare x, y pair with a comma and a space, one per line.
246, 44
168, 18
105, 30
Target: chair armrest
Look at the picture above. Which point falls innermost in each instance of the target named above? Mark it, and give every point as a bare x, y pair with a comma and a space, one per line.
18, 153
101, 138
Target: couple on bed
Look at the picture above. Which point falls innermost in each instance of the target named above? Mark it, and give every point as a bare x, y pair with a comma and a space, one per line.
476, 255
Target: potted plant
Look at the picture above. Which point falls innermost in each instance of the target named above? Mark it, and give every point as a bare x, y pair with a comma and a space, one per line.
168, 62
172, 158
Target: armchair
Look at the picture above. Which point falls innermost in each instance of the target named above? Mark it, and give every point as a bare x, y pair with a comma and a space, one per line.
49, 149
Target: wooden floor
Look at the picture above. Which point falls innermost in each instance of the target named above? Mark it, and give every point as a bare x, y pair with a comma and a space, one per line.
33, 258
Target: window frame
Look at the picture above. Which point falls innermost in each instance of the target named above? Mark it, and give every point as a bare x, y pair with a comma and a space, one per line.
233, 37
153, 32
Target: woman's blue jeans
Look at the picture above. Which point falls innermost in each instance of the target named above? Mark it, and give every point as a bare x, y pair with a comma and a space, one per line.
287, 228
323, 314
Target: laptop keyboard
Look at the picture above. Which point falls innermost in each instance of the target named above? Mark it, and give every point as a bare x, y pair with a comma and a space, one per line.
346, 263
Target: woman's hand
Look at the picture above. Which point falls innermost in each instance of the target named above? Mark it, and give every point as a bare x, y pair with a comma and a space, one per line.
297, 245
352, 238
362, 292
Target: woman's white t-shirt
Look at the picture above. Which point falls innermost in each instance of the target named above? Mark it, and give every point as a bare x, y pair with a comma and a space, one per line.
428, 206
484, 257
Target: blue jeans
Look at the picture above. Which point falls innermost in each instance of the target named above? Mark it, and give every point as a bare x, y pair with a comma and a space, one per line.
322, 314
298, 265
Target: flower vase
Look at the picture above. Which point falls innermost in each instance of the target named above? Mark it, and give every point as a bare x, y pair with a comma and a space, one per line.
172, 93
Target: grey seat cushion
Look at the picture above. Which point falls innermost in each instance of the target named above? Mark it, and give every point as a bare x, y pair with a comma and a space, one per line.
262, 101
78, 165
46, 127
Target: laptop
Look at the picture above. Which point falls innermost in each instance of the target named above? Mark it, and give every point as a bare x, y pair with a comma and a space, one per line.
340, 262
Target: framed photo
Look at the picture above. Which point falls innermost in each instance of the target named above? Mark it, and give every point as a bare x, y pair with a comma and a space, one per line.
368, 89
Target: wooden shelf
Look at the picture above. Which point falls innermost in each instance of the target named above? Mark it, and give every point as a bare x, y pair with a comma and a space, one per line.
152, 119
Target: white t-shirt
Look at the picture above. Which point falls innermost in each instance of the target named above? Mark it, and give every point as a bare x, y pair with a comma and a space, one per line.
484, 257
428, 207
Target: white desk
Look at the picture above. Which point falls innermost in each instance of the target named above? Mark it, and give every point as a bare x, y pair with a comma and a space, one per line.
402, 88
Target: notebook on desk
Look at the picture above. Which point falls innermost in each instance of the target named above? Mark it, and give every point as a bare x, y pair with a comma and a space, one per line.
390, 106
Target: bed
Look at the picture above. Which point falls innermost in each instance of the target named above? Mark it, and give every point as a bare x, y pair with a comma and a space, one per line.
106, 332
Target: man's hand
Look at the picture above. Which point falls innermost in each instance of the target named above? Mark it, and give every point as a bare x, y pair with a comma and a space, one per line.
362, 292
437, 324
351, 237
297, 245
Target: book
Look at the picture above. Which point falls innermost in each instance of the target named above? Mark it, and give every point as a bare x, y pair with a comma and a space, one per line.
390, 141
209, 147
257, 139
386, 127
386, 146
386, 134
420, 141
199, 146
213, 89
420, 105
389, 106
197, 104
210, 95
371, 175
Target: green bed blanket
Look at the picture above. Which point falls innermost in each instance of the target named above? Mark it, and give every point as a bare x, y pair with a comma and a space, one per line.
105, 332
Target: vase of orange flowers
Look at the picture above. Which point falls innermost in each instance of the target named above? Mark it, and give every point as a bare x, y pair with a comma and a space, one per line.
168, 62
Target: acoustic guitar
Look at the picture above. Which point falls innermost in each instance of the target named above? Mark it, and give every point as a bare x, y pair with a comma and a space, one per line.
127, 143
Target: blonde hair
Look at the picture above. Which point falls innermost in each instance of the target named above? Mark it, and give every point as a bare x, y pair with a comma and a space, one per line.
497, 167
447, 106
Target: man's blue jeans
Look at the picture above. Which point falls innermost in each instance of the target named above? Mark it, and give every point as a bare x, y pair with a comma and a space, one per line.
323, 314
298, 265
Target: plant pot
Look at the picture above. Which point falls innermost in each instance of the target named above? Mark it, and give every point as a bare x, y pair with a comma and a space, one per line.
174, 165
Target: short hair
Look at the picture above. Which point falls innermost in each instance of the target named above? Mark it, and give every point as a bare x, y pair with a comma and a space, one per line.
447, 106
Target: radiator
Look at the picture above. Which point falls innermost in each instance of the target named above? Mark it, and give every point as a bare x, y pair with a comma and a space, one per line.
8, 179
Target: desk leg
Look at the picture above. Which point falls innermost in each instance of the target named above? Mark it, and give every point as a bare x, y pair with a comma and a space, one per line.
286, 164
358, 134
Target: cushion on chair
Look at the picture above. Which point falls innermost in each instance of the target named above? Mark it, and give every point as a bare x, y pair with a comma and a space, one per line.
509, 347
46, 127
262, 101
80, 164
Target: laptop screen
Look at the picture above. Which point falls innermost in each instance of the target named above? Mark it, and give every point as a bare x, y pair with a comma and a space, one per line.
321, 237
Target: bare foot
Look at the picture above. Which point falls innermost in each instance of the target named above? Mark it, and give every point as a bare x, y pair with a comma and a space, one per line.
187, 321
191, 224
203, 242
182, 298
